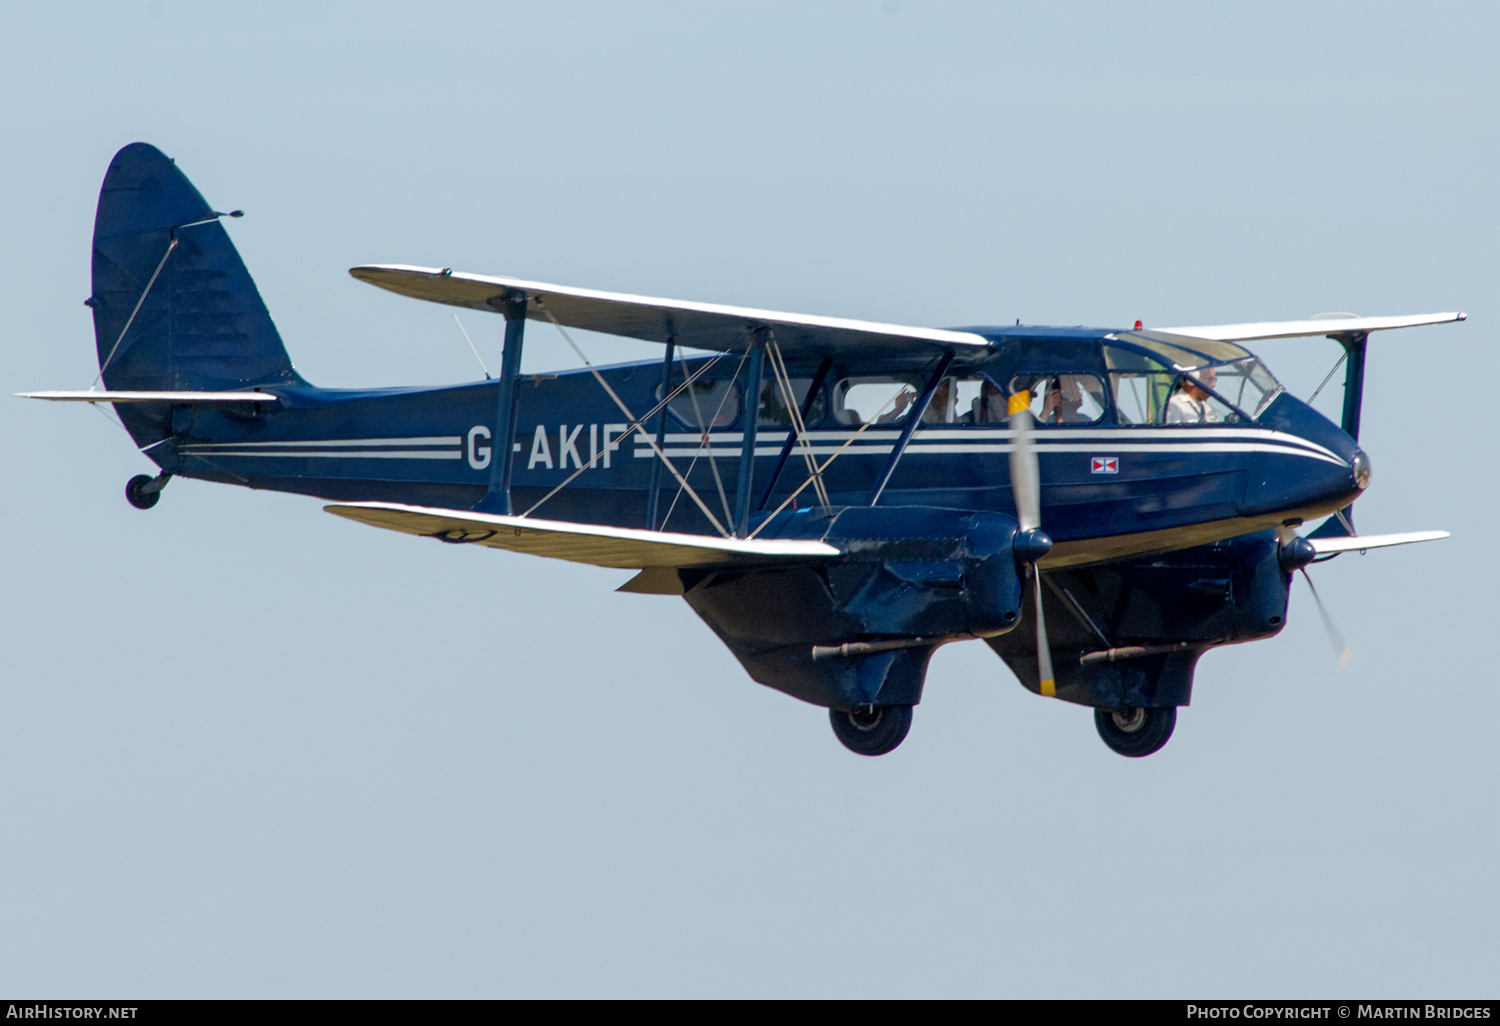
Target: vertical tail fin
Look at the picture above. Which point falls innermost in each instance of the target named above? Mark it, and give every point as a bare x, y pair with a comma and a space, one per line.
174, 306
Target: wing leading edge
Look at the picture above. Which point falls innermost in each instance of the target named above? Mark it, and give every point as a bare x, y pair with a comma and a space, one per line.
1311, 327
710, 326
622, 547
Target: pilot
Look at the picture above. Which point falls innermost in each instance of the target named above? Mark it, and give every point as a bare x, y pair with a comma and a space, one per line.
1189, 404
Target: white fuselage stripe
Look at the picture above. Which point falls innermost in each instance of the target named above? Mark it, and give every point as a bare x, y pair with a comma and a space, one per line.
1065, 439
983, 448
345, 454
330, 443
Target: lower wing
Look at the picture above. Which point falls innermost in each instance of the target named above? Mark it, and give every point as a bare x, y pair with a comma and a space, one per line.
623, 547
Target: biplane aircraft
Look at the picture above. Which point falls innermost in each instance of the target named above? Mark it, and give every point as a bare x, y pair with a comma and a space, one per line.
835, 498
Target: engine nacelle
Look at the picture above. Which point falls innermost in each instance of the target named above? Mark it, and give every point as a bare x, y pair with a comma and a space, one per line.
911, 578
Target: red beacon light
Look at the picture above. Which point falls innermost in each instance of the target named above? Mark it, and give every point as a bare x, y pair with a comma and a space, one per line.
1137, 325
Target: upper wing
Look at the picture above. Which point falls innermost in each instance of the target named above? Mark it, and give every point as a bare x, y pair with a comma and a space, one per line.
1314, 326
695, 325
624, 547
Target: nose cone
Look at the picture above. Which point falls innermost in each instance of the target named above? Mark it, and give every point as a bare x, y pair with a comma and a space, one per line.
1309, 467
1360, 465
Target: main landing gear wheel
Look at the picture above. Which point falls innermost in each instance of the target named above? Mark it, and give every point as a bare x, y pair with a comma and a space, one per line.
137, 493
871, 729
1135, 732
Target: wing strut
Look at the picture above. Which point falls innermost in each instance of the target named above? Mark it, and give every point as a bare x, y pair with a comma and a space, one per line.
818, 473
629, 430
798, 435
497, 500
749, 421
653, 493
1354, 344
920, 408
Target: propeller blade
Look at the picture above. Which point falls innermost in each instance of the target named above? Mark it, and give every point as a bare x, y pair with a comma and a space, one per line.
1340, 646
1026, 484
1043, 650
1025, 476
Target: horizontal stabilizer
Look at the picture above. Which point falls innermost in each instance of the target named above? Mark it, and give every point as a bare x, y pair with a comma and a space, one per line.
1332, 546
624, 547
152, 397
694, 325
1311, 327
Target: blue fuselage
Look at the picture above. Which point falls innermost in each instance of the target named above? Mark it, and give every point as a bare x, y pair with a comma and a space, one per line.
1109, 489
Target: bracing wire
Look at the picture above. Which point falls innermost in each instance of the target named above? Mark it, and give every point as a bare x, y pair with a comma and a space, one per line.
629, 430
824, 465
705, 444
1337, 364
794, 409
706, 429
633, 419
131, 319
472, 349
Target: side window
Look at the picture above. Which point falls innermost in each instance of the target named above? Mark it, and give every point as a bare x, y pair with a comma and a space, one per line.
1141, 386
773, 411
1192, 403
957, 400
704, 405
875, 400
980, 401
1062, 398
1149, 392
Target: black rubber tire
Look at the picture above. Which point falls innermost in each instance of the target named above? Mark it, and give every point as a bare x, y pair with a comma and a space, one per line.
871, 730
1135, 732
138, 498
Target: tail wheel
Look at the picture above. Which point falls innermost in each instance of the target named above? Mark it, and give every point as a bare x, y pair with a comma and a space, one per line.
1135, 732
871, 729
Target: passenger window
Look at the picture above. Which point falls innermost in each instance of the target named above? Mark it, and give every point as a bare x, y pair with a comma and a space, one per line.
975, 400
980, 401
704, 405
972, 400
773, 411
875, 400
1062, 398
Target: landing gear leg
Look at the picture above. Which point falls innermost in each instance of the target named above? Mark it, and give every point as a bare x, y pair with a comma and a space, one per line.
1135, 732
143, 491
871, 729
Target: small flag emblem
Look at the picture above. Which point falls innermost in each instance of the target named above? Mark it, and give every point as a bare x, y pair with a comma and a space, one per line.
1105, 465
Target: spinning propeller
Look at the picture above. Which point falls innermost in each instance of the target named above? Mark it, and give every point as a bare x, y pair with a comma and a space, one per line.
1032, 543
1294, 555
1335, 638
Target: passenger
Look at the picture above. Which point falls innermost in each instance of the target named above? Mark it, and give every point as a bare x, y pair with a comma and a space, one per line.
989, 407
904, 399
1064, 401
1189, 404
940, 410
